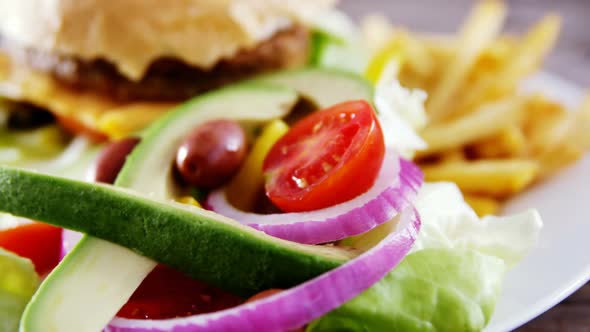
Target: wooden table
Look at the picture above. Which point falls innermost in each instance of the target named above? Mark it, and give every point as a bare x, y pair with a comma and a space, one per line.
570, 59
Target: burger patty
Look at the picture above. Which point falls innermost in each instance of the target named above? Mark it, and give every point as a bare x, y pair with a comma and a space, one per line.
170, 79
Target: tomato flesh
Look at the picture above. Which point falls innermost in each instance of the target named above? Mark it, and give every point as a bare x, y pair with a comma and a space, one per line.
329, 157
167, 293
41, 243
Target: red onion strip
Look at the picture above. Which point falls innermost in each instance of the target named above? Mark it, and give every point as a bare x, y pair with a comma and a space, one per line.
394, 189
297, 306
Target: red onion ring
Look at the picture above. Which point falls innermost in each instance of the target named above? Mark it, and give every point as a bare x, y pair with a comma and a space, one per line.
394, 189
299, 305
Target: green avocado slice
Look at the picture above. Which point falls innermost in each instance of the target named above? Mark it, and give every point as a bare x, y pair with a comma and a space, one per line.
214, 248
251, 260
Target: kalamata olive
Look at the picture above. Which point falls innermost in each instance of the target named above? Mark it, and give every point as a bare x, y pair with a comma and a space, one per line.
111, 159
211, 154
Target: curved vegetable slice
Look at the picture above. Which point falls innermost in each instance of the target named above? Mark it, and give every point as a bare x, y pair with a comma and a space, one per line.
396, 186
18, 282
297, 306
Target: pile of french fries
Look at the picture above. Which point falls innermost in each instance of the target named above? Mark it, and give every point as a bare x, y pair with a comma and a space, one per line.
484, 134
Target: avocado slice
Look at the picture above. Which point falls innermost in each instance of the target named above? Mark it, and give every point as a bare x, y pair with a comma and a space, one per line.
214, 248
325, 87
112, 272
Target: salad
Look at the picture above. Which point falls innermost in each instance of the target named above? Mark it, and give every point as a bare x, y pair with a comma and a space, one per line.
365, 244
286, 201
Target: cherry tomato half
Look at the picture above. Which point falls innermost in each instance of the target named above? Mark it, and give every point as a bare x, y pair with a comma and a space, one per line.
41, 243
329, 157
167, 293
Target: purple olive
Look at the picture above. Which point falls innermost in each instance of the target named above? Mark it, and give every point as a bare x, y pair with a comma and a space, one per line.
211, 154
112, 158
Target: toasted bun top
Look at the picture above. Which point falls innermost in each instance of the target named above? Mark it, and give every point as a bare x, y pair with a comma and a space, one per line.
133, 33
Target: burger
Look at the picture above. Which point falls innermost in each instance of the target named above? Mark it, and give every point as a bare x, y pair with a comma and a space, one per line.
109, 68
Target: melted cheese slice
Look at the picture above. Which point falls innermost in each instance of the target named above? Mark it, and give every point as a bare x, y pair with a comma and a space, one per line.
95, 112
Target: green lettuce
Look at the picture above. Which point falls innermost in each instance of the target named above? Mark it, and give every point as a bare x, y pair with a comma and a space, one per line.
18, 282
452, 278
431, 290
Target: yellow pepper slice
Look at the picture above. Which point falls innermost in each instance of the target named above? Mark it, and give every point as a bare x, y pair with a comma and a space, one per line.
189, 200
244, 188
391, 53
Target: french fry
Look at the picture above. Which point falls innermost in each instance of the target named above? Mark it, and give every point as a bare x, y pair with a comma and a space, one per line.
376, 31
559, 157
418, 57
547, 124
580, 134
482, 205
453, 155
565, 138
485, 122
496, 178
523, 60
510, 142
483, 133
480, 29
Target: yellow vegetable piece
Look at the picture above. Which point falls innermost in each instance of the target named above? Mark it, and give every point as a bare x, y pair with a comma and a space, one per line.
245, 186
189, 200
389, 55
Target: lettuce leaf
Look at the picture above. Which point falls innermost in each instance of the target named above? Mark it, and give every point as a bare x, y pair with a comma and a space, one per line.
448, 222
431, 290
18, 282
451, 279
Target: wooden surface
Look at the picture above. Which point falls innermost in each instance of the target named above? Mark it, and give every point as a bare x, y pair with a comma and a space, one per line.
570, 59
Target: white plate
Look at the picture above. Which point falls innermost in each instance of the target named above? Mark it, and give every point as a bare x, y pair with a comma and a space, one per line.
560, 263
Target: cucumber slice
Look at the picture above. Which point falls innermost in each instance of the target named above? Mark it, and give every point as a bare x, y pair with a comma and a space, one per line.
87, 289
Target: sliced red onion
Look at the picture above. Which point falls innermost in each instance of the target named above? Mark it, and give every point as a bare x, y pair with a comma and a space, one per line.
69, 239
395, 188
297, 306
